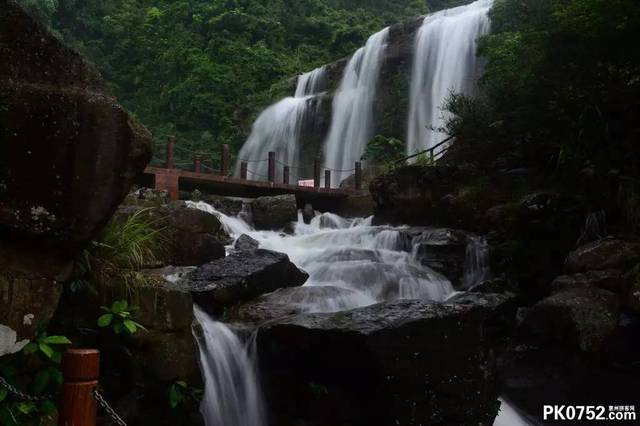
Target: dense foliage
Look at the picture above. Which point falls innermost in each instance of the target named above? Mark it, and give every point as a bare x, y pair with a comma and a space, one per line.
562, 83
201, 69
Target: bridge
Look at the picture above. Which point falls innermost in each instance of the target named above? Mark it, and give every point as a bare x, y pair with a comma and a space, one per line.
222, 182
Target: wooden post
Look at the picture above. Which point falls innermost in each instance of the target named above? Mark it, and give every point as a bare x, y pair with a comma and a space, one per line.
224, 160
285, 175
197, 163
243, 170
327, 178
272, 166
316, 172
171, 144
81, 368
358, 176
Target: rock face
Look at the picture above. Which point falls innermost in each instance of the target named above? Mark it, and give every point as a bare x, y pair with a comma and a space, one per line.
398, 363
611, 279
607, 253
245, 242
443, 250
62, 135
241, 276
583, 318
274, 213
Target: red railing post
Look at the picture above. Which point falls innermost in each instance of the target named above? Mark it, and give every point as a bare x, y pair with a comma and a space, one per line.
327, 178
224, 160
197, 163
243, 170
272, 166
316, 172
358, 176
171, 144
285, 175
81, 368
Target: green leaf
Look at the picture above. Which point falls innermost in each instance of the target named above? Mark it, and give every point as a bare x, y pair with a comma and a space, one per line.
130, 326
105, 320
57, 340
48, 408
119, 306
31, 347
118, 328
46, 349
174, 396
181, 383
41, 381
104, 308
57, 357
56, 375
26, 407
3, 394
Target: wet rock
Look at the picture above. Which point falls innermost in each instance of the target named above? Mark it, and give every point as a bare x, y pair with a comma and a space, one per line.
404, 363
274, 213
632, 300
580, 318
495, 285
308, 213
62, 136
606, 253
245, 242
612, 280
443, 250
241, 276
227, 205
147, 197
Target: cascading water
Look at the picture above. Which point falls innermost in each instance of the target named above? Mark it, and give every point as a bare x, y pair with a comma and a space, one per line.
352, 117
278, 128
232, 395
444, 61
350, 263
476, 262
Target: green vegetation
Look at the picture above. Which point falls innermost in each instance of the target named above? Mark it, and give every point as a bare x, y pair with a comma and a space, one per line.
562, 83
119, 317
202, 69
35, 372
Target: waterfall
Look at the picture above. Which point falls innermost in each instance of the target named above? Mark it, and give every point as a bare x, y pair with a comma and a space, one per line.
444, 61
278, 128
352, 116
232, 395
476, 262
350, 262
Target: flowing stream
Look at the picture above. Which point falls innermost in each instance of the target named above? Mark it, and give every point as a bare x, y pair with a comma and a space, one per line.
278, 128
445, 61
352, 119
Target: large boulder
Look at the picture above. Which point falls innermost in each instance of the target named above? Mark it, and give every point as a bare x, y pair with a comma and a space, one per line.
62, 136
611, 279
395, 363
583, 318
241, 276
274, 213
245, 242
606, 253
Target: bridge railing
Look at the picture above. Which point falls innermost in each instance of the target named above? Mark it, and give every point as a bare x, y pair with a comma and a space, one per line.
433, 153
199, 166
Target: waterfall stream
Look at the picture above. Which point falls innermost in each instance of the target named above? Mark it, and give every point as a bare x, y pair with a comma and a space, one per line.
444, 61
278, 128
352, 119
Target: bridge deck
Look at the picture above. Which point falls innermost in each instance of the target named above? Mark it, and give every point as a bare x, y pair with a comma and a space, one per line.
175, 180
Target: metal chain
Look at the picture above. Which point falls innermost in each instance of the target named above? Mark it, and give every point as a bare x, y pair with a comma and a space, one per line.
110, 411
17, 392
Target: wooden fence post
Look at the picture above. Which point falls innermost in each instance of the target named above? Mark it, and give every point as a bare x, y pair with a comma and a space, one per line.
224, 160
316, 172
327, 178
272, 166
171, 144
358, 176
285, 175
243, 170
197, 163
81, 369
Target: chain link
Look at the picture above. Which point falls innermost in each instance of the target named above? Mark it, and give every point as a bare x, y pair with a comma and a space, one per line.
17, 392
110, 411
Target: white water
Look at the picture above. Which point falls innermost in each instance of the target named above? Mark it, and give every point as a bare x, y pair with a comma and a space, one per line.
278, 128
476, 263
232, 395
352, 117
445, 60
350, 263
